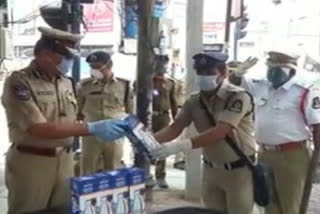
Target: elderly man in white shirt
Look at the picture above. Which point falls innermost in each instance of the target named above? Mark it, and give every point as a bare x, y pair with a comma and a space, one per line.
287, 114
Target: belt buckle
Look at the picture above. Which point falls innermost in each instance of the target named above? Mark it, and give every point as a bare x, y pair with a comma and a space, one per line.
269, 147
228, 166
213, 164
59, 150
217, 166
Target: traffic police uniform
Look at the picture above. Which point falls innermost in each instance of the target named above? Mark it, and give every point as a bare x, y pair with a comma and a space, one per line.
164, 103
37, 170
102, 100
282, 130
226, 181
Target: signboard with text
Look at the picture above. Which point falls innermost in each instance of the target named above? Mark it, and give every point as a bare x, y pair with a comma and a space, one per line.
214, 21
99, 16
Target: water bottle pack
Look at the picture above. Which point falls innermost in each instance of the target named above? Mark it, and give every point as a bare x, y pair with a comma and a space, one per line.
116, 192
140, 136
137, 189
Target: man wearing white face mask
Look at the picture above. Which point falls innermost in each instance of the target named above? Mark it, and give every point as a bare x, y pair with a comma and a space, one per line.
227, 182
287, 115
103, 96
41, 110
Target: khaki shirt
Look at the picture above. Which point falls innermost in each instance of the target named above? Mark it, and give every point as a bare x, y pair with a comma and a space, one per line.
99, 100
232, 106
180, 93
30, 98
163, 94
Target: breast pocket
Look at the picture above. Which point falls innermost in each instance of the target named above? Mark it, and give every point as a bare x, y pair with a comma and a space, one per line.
261, 102
284, 104
48, 106
261, 105
71, 102
93, 101
114, 98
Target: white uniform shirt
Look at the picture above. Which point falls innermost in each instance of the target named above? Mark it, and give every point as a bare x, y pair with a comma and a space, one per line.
278, 116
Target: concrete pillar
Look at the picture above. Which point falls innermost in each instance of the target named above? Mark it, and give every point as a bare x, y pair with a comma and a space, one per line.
194, 45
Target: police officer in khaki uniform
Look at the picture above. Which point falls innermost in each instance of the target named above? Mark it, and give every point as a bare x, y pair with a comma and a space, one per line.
179, 160
164, 103
41, 110
103, 96
287, 115
227, 182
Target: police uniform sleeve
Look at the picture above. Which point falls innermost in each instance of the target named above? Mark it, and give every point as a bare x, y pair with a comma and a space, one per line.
312, 106
236, 108
19, 103
184, 116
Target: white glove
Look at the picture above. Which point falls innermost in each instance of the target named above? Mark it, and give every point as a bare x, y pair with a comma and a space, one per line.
171, 148
241, 68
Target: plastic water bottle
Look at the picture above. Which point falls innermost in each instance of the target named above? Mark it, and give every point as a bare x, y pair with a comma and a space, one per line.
138, 203
89, 209
106, 206
122, 206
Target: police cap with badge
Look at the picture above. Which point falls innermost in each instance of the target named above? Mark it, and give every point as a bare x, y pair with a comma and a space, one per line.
98, 57
58, 41
204, 61
282, 59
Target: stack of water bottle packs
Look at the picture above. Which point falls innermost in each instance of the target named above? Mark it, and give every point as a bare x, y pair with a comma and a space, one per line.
115, 192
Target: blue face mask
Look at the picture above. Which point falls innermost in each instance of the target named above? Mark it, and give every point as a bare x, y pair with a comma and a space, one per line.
207, 82
65, 65
278, 76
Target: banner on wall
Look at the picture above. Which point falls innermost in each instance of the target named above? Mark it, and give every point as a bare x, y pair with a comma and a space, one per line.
99, 16
214, 21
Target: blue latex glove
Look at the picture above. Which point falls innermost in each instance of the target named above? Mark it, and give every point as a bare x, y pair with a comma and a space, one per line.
108, 130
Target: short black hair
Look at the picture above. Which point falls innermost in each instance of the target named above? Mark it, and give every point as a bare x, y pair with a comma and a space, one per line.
45, 43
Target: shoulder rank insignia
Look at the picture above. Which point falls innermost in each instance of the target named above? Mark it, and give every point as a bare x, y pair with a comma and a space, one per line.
236, 106
21, 91
316, 103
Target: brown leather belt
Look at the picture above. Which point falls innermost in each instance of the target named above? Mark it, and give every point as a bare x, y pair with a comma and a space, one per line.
229, 166
47, 152
285, 146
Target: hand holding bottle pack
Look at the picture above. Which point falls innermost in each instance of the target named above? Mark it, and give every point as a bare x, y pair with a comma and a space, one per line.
140, 136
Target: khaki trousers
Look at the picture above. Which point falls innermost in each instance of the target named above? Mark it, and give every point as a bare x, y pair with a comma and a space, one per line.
97, 155
290, 169
37, 182
160, 171
158, 123
228, 191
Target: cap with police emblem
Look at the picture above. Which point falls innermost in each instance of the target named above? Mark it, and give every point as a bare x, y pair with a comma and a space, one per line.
59, 41
98, 57
59, 35
282, 59
209, 60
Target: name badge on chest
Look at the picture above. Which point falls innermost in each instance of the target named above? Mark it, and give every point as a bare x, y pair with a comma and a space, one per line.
45, 93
